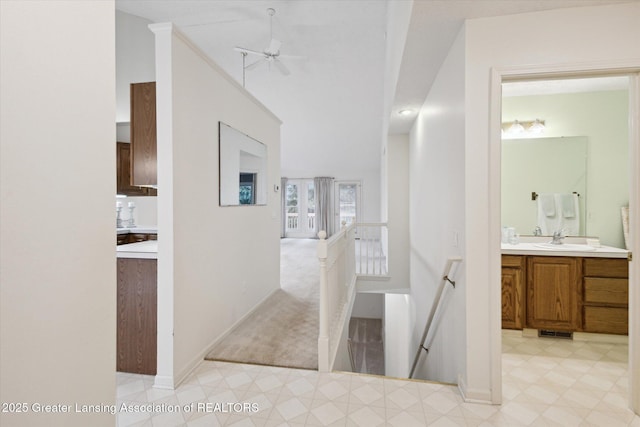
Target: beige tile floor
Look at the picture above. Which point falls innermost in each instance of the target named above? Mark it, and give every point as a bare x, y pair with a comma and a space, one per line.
546, 382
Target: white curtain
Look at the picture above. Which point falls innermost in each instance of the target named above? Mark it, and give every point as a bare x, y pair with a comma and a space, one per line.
283, 207
324, 204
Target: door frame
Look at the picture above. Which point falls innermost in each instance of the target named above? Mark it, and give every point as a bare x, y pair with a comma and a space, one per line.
336, 201
499, 75
302, 203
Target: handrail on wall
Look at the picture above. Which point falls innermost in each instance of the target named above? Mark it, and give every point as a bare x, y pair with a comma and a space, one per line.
434, 308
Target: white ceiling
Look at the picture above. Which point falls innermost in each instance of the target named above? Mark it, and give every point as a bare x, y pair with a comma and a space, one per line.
331, 103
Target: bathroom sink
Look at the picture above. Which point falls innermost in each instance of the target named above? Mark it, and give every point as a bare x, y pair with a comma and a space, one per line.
565, 247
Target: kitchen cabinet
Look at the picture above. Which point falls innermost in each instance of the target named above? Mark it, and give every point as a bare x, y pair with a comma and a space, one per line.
513, 286
554, 293
137, 316
123, 173
143, 134
125, 238
606, 295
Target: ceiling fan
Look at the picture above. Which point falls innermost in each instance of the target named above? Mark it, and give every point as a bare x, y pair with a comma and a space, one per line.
271, 55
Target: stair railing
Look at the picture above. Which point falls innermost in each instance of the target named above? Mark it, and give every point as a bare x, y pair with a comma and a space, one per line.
337, 291
434, 308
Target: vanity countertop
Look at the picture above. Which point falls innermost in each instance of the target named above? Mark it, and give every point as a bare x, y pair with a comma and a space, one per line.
140, 250
539, 246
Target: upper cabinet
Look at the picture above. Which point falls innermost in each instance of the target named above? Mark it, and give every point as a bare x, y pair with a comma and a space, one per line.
123, 183
143, 134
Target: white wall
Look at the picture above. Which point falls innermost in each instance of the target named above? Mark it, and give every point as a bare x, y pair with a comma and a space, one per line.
603, 117
398, 351
135, 59
57, 265
437, 213
605, 35
397, 170
204, 282
368, 305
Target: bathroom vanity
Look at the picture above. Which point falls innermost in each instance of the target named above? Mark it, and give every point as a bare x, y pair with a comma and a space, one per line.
572, 288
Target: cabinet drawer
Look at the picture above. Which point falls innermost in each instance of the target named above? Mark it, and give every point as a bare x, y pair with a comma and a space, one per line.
606, 267
516, 261
606, 290
606, 320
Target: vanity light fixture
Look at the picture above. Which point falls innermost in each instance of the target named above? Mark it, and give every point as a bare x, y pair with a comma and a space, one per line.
518, 129
536, 127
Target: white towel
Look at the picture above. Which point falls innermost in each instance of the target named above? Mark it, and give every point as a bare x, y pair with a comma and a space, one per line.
570, 221
547, 202
548, 221
568, 203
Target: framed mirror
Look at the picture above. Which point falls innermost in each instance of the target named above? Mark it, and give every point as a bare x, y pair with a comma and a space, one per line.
243, 168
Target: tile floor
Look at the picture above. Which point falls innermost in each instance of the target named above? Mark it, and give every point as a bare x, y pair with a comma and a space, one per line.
546, 382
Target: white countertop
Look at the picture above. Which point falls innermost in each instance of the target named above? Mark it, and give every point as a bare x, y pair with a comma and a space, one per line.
530, 246
145, 229
140, 250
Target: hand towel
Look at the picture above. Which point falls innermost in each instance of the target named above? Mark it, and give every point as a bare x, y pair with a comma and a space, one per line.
547, 203
570, 218
548, 221
568, 204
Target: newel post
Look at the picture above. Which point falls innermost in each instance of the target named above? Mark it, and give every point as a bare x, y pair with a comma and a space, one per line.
323, 337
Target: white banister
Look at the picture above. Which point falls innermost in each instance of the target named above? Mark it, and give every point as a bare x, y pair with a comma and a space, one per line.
337, 291
371, 256
323, 336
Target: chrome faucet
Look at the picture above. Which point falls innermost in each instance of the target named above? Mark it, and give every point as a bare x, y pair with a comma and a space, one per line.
557, 238
537, 231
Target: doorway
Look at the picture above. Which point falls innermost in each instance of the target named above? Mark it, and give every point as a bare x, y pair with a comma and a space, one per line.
300, 208
633, 163
347, 203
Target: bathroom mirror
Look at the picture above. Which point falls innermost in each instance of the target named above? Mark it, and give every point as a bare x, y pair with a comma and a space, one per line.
243, 168
542, 165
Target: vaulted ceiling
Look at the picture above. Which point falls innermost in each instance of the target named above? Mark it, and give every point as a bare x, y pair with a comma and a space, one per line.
331, 103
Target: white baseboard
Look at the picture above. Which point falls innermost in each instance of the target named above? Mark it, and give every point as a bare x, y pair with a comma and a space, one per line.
236, 323
164, 382
172, 383
470, 395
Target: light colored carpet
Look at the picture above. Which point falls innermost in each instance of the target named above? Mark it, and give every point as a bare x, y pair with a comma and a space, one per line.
366, 345
283, 330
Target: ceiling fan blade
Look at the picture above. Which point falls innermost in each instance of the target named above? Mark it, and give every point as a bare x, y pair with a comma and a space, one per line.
254, 64
292, 56
249, 51
281, 67
274, 46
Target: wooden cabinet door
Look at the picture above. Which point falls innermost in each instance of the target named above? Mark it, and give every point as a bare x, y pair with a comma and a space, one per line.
554, 292
143, 134
137, 316
513, 291
123, 171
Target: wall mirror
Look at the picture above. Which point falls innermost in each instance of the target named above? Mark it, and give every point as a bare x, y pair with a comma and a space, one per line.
243, 168
541, 165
